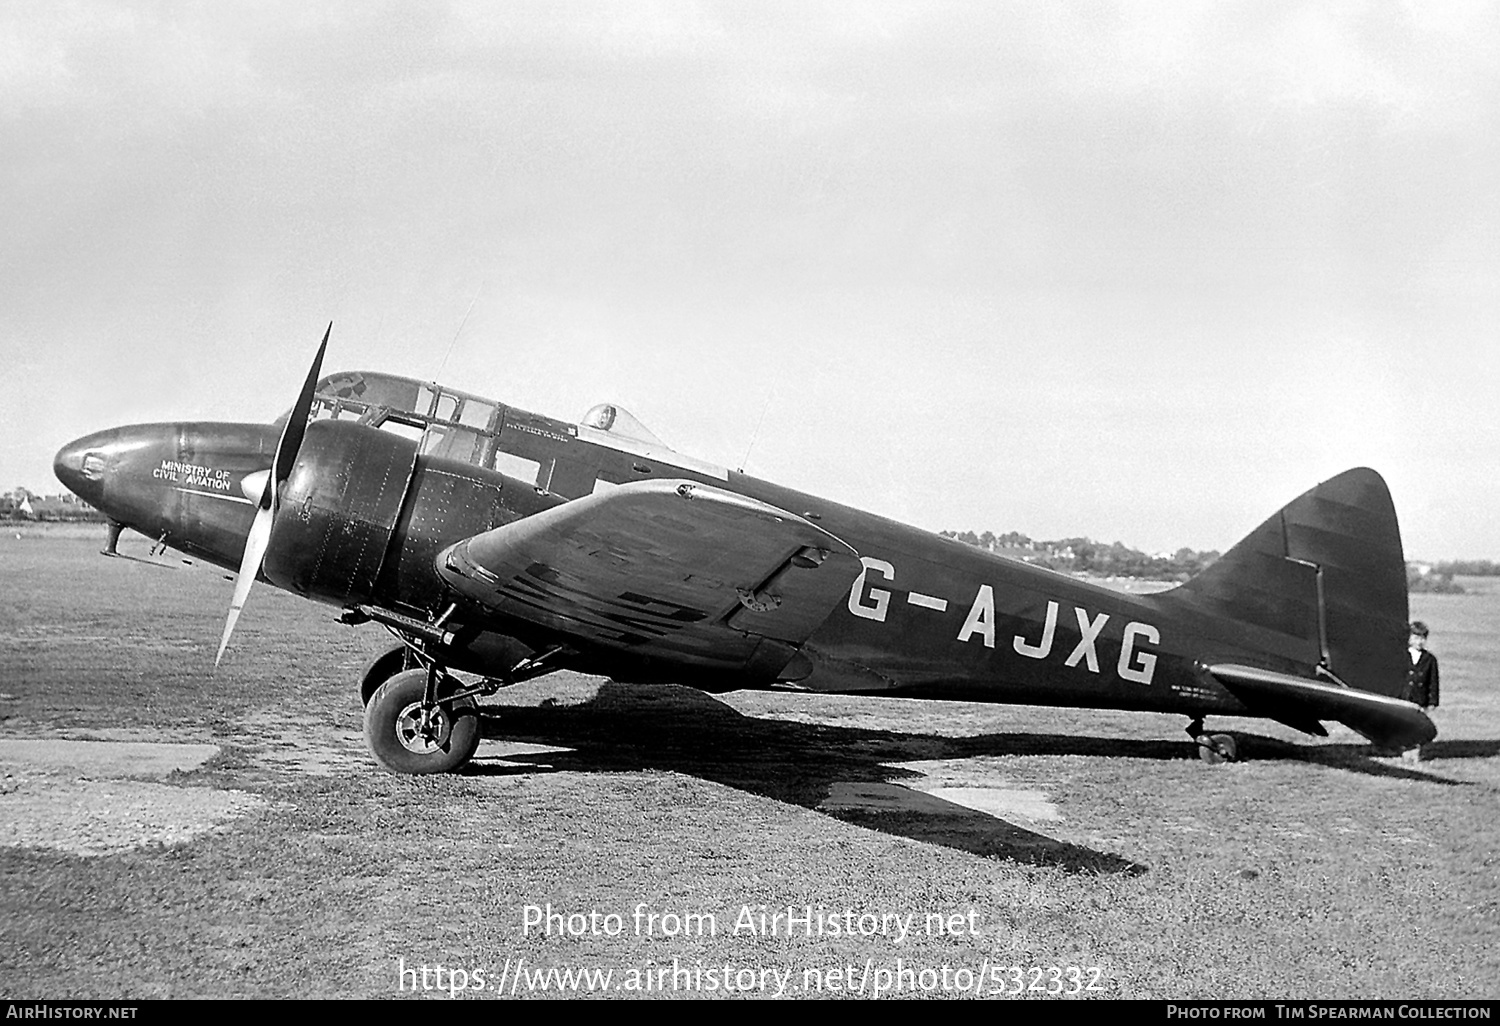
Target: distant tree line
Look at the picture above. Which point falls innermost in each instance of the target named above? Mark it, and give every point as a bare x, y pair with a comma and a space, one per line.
1084, 555
1468, 568
1420, 578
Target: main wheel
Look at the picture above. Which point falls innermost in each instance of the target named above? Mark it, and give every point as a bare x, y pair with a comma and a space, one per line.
406, 736
381, 669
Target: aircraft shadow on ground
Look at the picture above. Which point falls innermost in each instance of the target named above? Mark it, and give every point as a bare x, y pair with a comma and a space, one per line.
1363, 758
843, 772
139, 559
848, 772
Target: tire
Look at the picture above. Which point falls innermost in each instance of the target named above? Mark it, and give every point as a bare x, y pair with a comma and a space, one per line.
393, 721
381, 669
1217, 748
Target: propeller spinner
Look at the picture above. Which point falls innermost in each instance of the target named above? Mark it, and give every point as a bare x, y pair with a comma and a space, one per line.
259, 537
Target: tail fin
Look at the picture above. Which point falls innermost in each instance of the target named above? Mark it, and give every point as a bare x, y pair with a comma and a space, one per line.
1320, 585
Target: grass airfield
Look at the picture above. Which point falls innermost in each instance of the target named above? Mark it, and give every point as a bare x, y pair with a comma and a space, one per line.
171, 831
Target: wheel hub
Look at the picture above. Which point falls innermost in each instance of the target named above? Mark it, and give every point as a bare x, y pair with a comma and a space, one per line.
423, 729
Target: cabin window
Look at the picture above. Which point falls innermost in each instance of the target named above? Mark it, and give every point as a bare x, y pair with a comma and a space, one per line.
518, 467
452, 443
447, 406
410, 432
434, 439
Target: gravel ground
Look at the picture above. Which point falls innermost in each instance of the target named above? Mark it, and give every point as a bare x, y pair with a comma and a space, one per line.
88, 798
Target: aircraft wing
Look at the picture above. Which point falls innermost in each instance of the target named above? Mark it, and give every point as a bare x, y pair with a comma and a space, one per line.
662, 569
1388, 722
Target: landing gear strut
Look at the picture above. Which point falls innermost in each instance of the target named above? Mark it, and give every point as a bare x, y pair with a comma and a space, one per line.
1213, 748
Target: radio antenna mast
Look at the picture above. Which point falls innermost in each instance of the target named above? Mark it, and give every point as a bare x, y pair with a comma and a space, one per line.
756, 433
460, 331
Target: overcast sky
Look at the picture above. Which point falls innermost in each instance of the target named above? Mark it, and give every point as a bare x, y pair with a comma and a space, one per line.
1143, 272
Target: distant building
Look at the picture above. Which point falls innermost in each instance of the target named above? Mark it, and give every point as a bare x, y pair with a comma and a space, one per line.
23, 504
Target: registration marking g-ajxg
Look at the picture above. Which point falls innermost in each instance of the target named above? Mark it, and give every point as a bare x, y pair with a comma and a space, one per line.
1134, 664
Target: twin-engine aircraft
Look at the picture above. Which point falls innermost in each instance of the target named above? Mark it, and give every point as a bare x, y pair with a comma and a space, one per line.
505, 545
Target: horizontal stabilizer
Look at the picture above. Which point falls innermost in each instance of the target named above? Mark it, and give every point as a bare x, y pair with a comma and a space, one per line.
1386, 722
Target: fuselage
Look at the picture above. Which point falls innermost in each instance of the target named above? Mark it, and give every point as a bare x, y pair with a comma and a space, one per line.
394, 471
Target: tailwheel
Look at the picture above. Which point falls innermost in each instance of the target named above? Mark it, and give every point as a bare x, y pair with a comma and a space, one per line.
1217, 748
409, 733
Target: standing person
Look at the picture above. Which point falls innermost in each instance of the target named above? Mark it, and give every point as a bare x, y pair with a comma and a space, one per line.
1421, 677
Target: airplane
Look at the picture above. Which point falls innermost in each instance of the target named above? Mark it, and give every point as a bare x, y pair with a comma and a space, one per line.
497, 545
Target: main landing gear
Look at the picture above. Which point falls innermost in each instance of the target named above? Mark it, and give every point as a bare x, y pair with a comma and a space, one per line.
420, 718
1213, 748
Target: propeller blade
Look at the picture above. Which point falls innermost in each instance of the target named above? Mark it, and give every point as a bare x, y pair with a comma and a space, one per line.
295, 428
259, 538
255, 551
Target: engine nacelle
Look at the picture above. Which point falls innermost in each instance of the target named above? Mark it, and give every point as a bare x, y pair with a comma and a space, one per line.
340, 509
363, 517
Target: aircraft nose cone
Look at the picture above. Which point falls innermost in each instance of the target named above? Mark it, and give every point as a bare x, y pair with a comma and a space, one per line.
80, 466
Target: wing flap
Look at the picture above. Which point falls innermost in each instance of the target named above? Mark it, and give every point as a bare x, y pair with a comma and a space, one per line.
1387, 722
660, 568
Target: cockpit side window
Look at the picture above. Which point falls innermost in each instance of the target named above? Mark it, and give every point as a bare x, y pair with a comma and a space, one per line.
326, 408
445, 423
477, 415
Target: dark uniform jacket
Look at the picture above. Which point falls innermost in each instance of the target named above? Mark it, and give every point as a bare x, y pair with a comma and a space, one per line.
1422, 681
